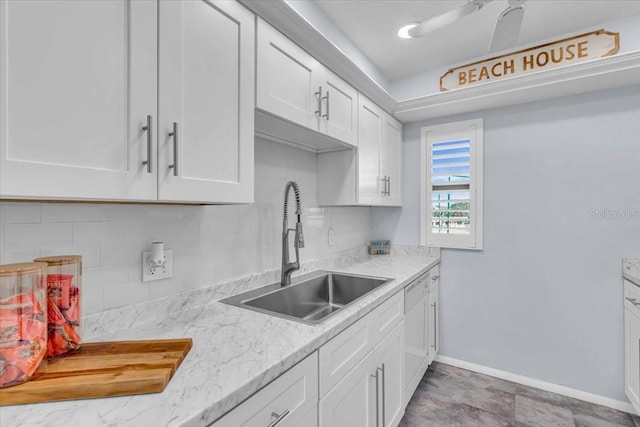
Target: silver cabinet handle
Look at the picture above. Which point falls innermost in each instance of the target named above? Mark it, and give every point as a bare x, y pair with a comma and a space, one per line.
174, 135
384, 423
326, 116
377, 399
318, 112
633, 301
148, 129
435, 325
389, 186
278, 418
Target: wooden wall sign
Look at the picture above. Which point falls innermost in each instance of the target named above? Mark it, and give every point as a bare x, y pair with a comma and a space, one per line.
584, 47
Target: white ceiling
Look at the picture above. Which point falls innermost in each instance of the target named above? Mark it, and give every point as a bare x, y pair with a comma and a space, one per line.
372, 26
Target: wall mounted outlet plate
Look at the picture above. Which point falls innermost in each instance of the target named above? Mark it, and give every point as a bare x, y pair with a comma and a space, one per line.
164, 271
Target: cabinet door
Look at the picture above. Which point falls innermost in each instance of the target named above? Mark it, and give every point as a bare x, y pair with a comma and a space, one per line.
287, 82
369, 140
206, 87
416, 356
434, 333
78, 80
391, 160
352, 403
292, 399
390, 363
632, 358
339, 108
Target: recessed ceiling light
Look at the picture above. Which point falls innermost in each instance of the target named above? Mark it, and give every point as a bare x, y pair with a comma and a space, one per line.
403, 32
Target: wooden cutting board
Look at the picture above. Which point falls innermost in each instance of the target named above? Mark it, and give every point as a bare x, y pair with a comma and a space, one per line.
101, 370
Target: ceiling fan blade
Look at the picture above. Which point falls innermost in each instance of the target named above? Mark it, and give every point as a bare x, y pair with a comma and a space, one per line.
446, 18
507, 28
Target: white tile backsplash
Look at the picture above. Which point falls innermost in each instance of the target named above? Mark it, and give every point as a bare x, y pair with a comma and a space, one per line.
56, 212
211, 244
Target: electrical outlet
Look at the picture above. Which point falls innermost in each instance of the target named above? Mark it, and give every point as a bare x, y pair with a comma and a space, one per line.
331, 237
164, 271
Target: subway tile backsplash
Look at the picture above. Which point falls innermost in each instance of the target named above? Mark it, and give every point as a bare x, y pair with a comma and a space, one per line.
211, 244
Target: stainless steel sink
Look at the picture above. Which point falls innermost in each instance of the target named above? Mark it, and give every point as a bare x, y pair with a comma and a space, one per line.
311, 299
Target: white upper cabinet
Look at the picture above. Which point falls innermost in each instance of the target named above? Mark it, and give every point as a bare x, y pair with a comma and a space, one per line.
78, 82
370, 175
206, 102
286, 78
391, 160
339, 108
370, 181
294, 86
91, 90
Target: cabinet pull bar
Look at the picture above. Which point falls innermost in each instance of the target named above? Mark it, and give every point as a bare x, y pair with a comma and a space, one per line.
384, 422
633, 301
435, 326
278, 418
318, 112
377, 399
148, 129
174, 134
389, 186
384, 188
326, 116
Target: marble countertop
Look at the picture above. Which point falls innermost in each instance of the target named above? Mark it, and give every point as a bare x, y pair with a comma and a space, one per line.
235, 353
631, 270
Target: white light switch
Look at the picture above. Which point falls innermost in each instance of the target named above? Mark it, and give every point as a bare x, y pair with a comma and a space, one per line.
331, 237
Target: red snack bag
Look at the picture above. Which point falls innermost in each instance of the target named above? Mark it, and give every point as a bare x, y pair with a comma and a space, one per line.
58, 287
56, 344
10, 374
26, 356
73, 313
55, 317
26, 304
32, 328
9, 327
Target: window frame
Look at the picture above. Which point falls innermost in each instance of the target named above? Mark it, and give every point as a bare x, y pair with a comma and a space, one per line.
473, 131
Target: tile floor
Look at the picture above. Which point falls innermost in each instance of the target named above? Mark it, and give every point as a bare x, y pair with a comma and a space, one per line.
449, 396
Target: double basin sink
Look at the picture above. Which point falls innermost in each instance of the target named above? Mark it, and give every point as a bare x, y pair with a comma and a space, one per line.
311, 299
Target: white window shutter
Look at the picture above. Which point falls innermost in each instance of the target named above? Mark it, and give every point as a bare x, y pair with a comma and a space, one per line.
451, 182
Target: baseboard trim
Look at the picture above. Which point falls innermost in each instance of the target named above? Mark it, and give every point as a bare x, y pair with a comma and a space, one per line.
543, 385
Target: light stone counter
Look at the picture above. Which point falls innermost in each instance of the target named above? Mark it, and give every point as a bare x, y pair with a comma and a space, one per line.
631, 270
235, 351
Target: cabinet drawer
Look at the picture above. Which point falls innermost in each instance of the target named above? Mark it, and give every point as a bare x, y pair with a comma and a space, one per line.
343, 352
435, 278
387, 315
632, 297
295, 393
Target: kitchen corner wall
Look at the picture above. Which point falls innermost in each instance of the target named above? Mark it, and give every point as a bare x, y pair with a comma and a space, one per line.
561, 208
211, 244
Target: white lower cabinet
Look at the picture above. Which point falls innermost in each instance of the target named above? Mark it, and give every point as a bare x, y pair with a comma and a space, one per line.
362, 379
291, 400
352, 403
356, 379
389, 359
632, 344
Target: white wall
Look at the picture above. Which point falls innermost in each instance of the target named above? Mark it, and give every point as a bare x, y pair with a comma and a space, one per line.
544, 298
211, 244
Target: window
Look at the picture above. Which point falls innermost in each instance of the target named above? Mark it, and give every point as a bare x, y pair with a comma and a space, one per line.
451, 185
